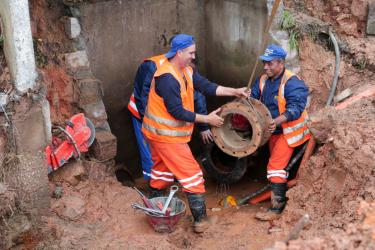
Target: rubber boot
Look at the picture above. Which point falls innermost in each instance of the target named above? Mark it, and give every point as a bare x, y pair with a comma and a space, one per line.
278, 203
198, 210
155, 192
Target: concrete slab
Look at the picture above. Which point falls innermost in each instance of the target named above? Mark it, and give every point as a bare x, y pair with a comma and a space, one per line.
72, 27
91, 91
103, 126
77, 61
95, 112
29, 171
343, 95
18, 43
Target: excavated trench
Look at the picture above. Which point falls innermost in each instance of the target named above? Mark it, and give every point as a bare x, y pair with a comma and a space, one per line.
336, 187
228, 36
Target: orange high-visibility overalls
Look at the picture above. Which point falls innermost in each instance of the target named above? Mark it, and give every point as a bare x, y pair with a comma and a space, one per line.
168, 137
282, 145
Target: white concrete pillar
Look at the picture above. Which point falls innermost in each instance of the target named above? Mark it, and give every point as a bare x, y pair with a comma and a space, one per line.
18, 43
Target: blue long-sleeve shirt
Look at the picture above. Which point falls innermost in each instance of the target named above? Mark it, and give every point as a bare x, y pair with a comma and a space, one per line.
168, 88
200, 108
295, 93
142, 83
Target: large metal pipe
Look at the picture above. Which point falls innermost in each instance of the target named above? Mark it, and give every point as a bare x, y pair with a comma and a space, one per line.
240, 143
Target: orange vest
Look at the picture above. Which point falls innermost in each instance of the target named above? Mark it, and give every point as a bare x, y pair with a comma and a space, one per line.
158, 60
295, 132
158, 124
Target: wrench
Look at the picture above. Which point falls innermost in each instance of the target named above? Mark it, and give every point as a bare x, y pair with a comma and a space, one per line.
174, 189
149, 210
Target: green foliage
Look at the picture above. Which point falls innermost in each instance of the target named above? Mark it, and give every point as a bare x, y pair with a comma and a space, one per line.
287, 23
293, 40
360, 63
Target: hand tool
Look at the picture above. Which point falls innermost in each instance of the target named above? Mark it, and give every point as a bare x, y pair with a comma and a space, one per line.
173, 190
148, 210
144, 198
79, 133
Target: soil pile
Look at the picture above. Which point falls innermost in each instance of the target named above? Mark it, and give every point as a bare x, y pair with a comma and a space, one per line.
347, 16
337, 186
318, 65
347, 20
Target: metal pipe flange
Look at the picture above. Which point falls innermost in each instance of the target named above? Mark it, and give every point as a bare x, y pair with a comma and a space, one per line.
239, 142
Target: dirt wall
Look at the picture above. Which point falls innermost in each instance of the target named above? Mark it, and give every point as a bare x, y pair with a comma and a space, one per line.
337, 184
50, 43
347, 16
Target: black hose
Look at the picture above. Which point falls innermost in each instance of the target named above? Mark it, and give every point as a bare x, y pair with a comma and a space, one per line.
246, 199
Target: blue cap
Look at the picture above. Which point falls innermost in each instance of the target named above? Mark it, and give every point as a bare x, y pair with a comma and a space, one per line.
273, 52
179, 42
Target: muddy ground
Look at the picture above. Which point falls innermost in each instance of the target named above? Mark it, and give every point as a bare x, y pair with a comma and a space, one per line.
335, 187
96, 214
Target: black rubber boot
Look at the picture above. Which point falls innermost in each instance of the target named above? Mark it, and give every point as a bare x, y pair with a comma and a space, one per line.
197, 206
155, 193
198, 210
278, 203
278, 198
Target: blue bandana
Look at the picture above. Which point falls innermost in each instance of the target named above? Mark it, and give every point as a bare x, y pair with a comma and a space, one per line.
179, 42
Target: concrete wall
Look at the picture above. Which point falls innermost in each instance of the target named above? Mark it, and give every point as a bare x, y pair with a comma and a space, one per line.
119, 34
234, 31
18, 44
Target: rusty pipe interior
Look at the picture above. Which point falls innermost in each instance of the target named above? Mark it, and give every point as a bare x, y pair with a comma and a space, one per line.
244, 139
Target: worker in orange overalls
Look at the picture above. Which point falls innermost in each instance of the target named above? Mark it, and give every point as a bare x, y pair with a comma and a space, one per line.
285, 96
168, 125
138, 102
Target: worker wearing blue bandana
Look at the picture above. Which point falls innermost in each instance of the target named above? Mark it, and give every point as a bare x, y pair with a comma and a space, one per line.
168, 124
138, 102
285, 96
